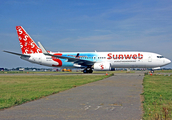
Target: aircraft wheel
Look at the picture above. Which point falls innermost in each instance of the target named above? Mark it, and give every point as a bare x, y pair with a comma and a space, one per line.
87, 70
84, 71
90, 71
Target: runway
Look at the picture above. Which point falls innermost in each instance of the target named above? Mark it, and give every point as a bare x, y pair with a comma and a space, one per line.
114, 98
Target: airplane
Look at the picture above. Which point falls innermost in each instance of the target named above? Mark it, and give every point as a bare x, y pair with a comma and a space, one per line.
89, 61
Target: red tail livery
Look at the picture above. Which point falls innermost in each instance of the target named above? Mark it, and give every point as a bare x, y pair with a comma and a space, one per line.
28, 46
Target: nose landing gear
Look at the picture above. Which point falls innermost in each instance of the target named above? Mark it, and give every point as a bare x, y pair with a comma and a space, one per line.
152, 71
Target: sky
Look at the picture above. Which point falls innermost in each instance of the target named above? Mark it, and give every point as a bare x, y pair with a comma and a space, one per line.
86, 26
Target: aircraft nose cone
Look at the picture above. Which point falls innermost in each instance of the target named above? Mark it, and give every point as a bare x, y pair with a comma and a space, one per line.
168, 61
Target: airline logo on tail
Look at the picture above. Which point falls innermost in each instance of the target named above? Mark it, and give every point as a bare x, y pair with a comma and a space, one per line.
28, 46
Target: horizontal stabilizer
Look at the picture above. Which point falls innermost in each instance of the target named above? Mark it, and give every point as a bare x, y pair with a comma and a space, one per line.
16, 53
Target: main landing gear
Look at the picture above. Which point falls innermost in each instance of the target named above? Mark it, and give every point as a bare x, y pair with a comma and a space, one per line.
88, 70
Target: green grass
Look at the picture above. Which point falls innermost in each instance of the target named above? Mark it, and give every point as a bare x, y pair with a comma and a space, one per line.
15, 90
50, 72
12, 72
163, 71
157, 102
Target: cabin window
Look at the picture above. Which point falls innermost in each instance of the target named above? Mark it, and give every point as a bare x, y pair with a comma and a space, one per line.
160, 56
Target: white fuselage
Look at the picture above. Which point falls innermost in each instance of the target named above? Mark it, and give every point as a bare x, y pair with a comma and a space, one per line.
115, 59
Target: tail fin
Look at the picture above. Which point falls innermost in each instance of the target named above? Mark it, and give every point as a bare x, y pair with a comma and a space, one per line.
28, 46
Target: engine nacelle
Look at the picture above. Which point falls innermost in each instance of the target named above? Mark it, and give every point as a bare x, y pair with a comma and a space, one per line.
102, 66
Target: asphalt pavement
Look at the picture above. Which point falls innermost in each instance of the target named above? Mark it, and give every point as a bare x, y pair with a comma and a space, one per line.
114, 98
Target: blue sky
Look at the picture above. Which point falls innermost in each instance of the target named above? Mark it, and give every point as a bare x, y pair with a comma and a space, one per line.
86, 25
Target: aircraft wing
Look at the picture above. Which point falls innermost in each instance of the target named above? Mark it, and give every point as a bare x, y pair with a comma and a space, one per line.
17, 54
69, 59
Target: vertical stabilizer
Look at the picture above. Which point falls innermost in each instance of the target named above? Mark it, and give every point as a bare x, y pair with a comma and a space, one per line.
28, 46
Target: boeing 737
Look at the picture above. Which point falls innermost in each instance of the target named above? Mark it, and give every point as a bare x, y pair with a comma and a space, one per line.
88, 61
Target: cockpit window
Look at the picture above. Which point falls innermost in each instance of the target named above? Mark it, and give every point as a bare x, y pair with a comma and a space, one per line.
160, 56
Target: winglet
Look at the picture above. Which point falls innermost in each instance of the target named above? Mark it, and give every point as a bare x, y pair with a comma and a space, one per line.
42, 48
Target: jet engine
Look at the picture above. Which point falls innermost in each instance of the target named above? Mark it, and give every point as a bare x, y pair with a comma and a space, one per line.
102, 66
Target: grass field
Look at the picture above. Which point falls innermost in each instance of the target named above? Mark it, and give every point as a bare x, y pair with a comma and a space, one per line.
157, 97
15, 90
49, 72
163, 71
